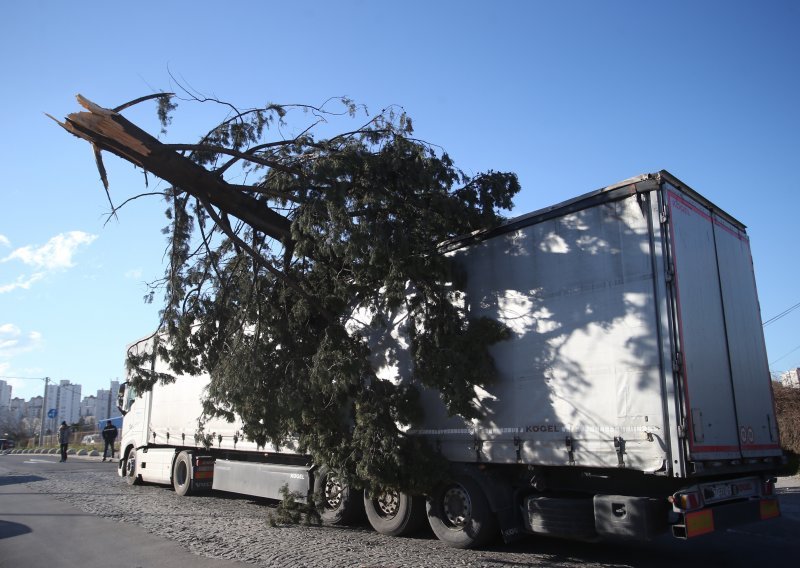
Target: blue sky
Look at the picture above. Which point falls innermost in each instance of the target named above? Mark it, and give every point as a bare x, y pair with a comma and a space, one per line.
570, 95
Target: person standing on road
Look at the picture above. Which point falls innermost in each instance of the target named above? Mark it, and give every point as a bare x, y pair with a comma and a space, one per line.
63, 439
109, 437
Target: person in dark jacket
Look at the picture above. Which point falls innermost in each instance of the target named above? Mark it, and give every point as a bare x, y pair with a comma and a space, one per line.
63, 439
109, 437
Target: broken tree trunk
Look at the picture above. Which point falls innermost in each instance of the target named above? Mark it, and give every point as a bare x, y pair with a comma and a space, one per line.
107, 130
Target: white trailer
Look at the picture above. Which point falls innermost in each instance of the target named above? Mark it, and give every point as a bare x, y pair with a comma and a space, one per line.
634, 396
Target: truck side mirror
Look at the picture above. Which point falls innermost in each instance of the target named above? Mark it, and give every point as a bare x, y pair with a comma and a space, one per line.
121, 399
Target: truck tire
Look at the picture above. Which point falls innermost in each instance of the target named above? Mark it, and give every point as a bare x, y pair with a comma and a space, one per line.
339, 504
459, 514
129, 471
182, 474
394, 513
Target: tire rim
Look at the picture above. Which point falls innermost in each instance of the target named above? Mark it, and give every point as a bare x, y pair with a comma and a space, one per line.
388, 502
457, 506
333, 492
130, 465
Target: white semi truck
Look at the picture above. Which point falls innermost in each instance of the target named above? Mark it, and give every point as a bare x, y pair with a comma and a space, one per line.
634, 396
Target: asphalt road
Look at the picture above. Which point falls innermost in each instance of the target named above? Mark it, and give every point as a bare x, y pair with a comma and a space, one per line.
69, 514
38, 531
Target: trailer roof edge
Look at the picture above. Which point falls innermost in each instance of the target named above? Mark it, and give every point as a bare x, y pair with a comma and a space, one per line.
643, 183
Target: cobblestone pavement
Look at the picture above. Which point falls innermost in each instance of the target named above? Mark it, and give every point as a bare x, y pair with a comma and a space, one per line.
220, 526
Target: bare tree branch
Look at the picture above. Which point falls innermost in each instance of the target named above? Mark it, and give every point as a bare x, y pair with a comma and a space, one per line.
115, 208
247, 156
122, 107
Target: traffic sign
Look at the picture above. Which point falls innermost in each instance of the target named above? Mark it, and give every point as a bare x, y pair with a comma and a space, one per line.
52, 413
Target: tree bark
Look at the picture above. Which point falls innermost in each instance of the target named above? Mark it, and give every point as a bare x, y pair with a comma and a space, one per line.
107, 130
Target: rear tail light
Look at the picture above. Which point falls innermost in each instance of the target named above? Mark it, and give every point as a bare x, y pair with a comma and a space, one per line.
768, 487
687, 501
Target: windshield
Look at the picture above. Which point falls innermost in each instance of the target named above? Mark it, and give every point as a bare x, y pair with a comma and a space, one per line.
125, 397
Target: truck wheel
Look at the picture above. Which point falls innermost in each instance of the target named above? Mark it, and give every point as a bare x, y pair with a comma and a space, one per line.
181, 474
340, 505
459, 514
394, 513
129, 469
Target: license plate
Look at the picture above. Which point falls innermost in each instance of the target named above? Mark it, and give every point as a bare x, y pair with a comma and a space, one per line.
722, 491
717, 492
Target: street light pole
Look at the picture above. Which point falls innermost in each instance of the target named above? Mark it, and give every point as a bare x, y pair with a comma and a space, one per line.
44, 412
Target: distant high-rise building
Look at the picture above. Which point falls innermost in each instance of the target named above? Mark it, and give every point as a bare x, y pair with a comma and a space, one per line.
62, 403
101, 406
88, 408
5, 394
791, 378
112, 409
17, 408
33, 410
107, 402
69, 402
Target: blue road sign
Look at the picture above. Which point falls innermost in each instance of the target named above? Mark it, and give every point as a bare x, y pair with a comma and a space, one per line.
52, 413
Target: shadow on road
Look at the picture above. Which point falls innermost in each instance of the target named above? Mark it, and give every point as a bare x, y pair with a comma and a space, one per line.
15, 479
9, 529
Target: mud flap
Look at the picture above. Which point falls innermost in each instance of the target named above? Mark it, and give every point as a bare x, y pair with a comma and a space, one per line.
511, 526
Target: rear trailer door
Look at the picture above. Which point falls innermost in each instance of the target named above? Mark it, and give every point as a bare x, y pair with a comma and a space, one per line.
726, 392
758, 435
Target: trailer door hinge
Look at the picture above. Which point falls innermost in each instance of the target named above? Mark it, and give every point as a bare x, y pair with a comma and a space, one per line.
570, 451
478, 446
664, 217
677, 362
619, 446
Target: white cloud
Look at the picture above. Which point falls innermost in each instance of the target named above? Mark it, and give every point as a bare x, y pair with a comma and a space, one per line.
134, 274
55, 254
21, 387
13, 341
22, 282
